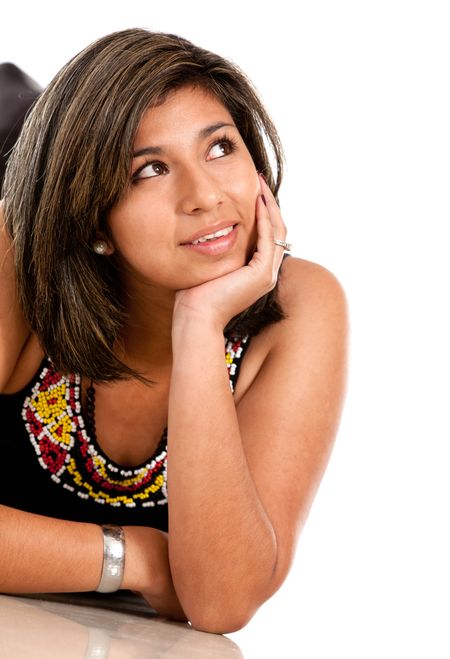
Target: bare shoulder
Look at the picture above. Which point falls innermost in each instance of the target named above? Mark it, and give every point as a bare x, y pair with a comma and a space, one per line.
303, 277
316, 325
26, 367
313, 300
314, 337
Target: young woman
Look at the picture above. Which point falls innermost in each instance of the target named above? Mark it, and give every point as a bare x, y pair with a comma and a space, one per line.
171, 383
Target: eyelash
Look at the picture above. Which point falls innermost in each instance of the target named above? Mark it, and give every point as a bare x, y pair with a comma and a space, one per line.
232, 143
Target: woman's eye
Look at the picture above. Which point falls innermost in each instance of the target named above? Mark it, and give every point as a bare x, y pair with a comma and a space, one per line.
146, 170
224, 145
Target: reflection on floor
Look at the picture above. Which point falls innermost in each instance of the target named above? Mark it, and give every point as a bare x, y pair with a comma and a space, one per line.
91, 625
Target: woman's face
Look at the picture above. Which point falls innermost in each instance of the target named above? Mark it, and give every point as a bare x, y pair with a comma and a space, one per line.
189, 178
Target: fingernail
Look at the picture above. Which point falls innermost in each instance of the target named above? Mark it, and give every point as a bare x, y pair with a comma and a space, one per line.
261, 174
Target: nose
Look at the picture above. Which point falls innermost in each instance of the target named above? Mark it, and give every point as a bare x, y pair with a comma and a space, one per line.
200, 190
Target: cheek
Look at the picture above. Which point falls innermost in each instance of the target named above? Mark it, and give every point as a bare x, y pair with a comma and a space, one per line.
132, 229
246, 188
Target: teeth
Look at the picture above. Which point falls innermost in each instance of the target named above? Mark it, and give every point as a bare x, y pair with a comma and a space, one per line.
211, 236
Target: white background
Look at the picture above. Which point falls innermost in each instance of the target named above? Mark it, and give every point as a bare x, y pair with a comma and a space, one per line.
359, 92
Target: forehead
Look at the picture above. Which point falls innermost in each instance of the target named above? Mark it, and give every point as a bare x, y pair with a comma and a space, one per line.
185, 110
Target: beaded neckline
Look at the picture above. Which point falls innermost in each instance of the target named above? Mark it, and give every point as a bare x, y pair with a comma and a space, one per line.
66, 446
89, 415
89, 422
234, 347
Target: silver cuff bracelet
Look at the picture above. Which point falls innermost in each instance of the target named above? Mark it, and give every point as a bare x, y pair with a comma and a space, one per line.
113, 559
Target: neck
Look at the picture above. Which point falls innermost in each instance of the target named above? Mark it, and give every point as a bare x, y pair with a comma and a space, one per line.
146, 338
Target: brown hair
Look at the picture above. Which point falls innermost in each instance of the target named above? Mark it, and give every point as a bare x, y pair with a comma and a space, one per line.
71, 164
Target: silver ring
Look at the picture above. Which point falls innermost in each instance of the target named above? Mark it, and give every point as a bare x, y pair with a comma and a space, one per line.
281, 243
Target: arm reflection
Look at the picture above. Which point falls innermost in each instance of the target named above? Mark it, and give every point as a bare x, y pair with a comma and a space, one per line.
99, 627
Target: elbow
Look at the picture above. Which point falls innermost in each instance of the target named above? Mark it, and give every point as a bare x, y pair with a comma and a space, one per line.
215, 614
222, 617
225, 622
223, 606
227, 616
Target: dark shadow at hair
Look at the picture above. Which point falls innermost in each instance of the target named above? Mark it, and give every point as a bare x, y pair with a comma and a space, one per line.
18, 92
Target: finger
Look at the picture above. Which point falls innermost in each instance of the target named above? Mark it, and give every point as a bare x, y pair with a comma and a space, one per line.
278, 227
274, 210
265, 231
268, 253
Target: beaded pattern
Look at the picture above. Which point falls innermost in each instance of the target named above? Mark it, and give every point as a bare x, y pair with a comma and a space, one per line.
233, 351
58, 433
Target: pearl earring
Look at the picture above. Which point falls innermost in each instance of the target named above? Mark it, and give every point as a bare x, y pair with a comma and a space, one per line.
100, 247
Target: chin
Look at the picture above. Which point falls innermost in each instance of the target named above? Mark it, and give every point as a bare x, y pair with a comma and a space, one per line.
218, 269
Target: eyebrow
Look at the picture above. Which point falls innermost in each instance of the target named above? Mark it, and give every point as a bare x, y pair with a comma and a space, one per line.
202, 134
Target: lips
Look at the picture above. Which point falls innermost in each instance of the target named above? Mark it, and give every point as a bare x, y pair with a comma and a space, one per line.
208, 230
217, 247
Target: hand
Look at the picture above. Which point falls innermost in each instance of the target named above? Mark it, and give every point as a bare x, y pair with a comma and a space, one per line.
147, 570
166, 604
161, 594
221, 299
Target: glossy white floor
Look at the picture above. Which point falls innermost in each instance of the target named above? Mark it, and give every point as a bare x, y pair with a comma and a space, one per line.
80, 627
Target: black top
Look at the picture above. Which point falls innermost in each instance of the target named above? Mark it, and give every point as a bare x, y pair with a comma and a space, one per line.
51, 466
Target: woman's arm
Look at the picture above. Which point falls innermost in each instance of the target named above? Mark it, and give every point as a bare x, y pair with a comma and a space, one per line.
241, 479
222, 545
42, 555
